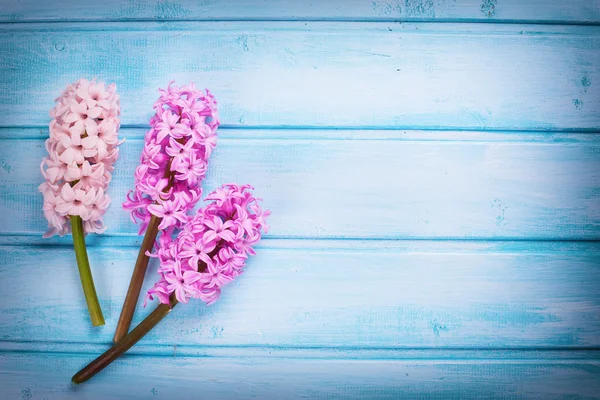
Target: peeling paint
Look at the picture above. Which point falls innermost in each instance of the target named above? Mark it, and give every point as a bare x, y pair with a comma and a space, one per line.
420, 8
578, 104
5, 166
386, 8
514, 315
169, 10
26, 394
11, 17
243, 42
501, 217
586, 82
216, 331
130, 9
437, 328
488, 7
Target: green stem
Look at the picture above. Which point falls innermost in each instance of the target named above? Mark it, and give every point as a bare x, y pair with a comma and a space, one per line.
125, 343
87, 282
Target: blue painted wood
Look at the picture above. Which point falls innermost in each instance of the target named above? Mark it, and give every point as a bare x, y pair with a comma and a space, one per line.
502, 186
432, 76
370, 294
44, 375
361, 133
544, 11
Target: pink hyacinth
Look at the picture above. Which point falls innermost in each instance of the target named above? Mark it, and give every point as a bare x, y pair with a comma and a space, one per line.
82, 149
209, 252
212, 247
173, 164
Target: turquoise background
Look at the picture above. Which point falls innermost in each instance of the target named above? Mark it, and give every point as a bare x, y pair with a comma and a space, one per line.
433, 170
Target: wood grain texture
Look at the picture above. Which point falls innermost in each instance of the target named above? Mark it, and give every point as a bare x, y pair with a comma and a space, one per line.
433, 168
540, 11
502, 186
29, 376
472, 76
370, 294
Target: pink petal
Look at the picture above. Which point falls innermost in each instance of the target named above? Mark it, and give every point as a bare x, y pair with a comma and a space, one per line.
180, 295
63, 208
91, 128
78, 108
157, 210
70, 117
67, 192
77, 129
209, 236
73, 173
227, 235
53, 173
191, 277
94, 112
89, 142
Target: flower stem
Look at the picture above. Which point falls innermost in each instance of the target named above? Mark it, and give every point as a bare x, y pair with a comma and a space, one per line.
137, 279
85, 274
125, 343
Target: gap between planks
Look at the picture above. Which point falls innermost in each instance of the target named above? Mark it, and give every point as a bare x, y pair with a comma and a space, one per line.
435, 354
383, 20
412, 245
408, 134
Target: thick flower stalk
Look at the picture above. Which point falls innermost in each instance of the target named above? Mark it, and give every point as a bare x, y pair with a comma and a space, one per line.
168, 180
82, 150
208, 253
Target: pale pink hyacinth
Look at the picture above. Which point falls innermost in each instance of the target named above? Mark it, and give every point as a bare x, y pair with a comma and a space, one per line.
212, 247
174, 161
82, 150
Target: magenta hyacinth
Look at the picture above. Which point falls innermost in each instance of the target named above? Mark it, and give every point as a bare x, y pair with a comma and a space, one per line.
209, 252
212, 247
82, 150
173, 164
168, 181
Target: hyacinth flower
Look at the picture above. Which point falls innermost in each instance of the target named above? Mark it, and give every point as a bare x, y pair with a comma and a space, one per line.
209, 252
82, 150
168, 180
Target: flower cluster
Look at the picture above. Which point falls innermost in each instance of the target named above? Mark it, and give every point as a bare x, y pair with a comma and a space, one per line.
82, 149
173, 164
212, 247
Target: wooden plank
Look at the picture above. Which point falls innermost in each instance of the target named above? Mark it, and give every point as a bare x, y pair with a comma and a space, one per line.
540, 11
466, 76
27, 376
371, 294
498, 186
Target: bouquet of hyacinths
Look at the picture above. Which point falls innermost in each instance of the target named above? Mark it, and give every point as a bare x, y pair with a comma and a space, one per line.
82, 150
210, 251
168, 180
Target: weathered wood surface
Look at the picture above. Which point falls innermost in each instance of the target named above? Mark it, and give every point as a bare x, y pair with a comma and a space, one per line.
531, 11
32, 376
443, 185
433, 171
361, 294
369, 75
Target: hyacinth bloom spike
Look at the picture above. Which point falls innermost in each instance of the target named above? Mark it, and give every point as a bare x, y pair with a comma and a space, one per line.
82, 150
209, 252
168, 180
